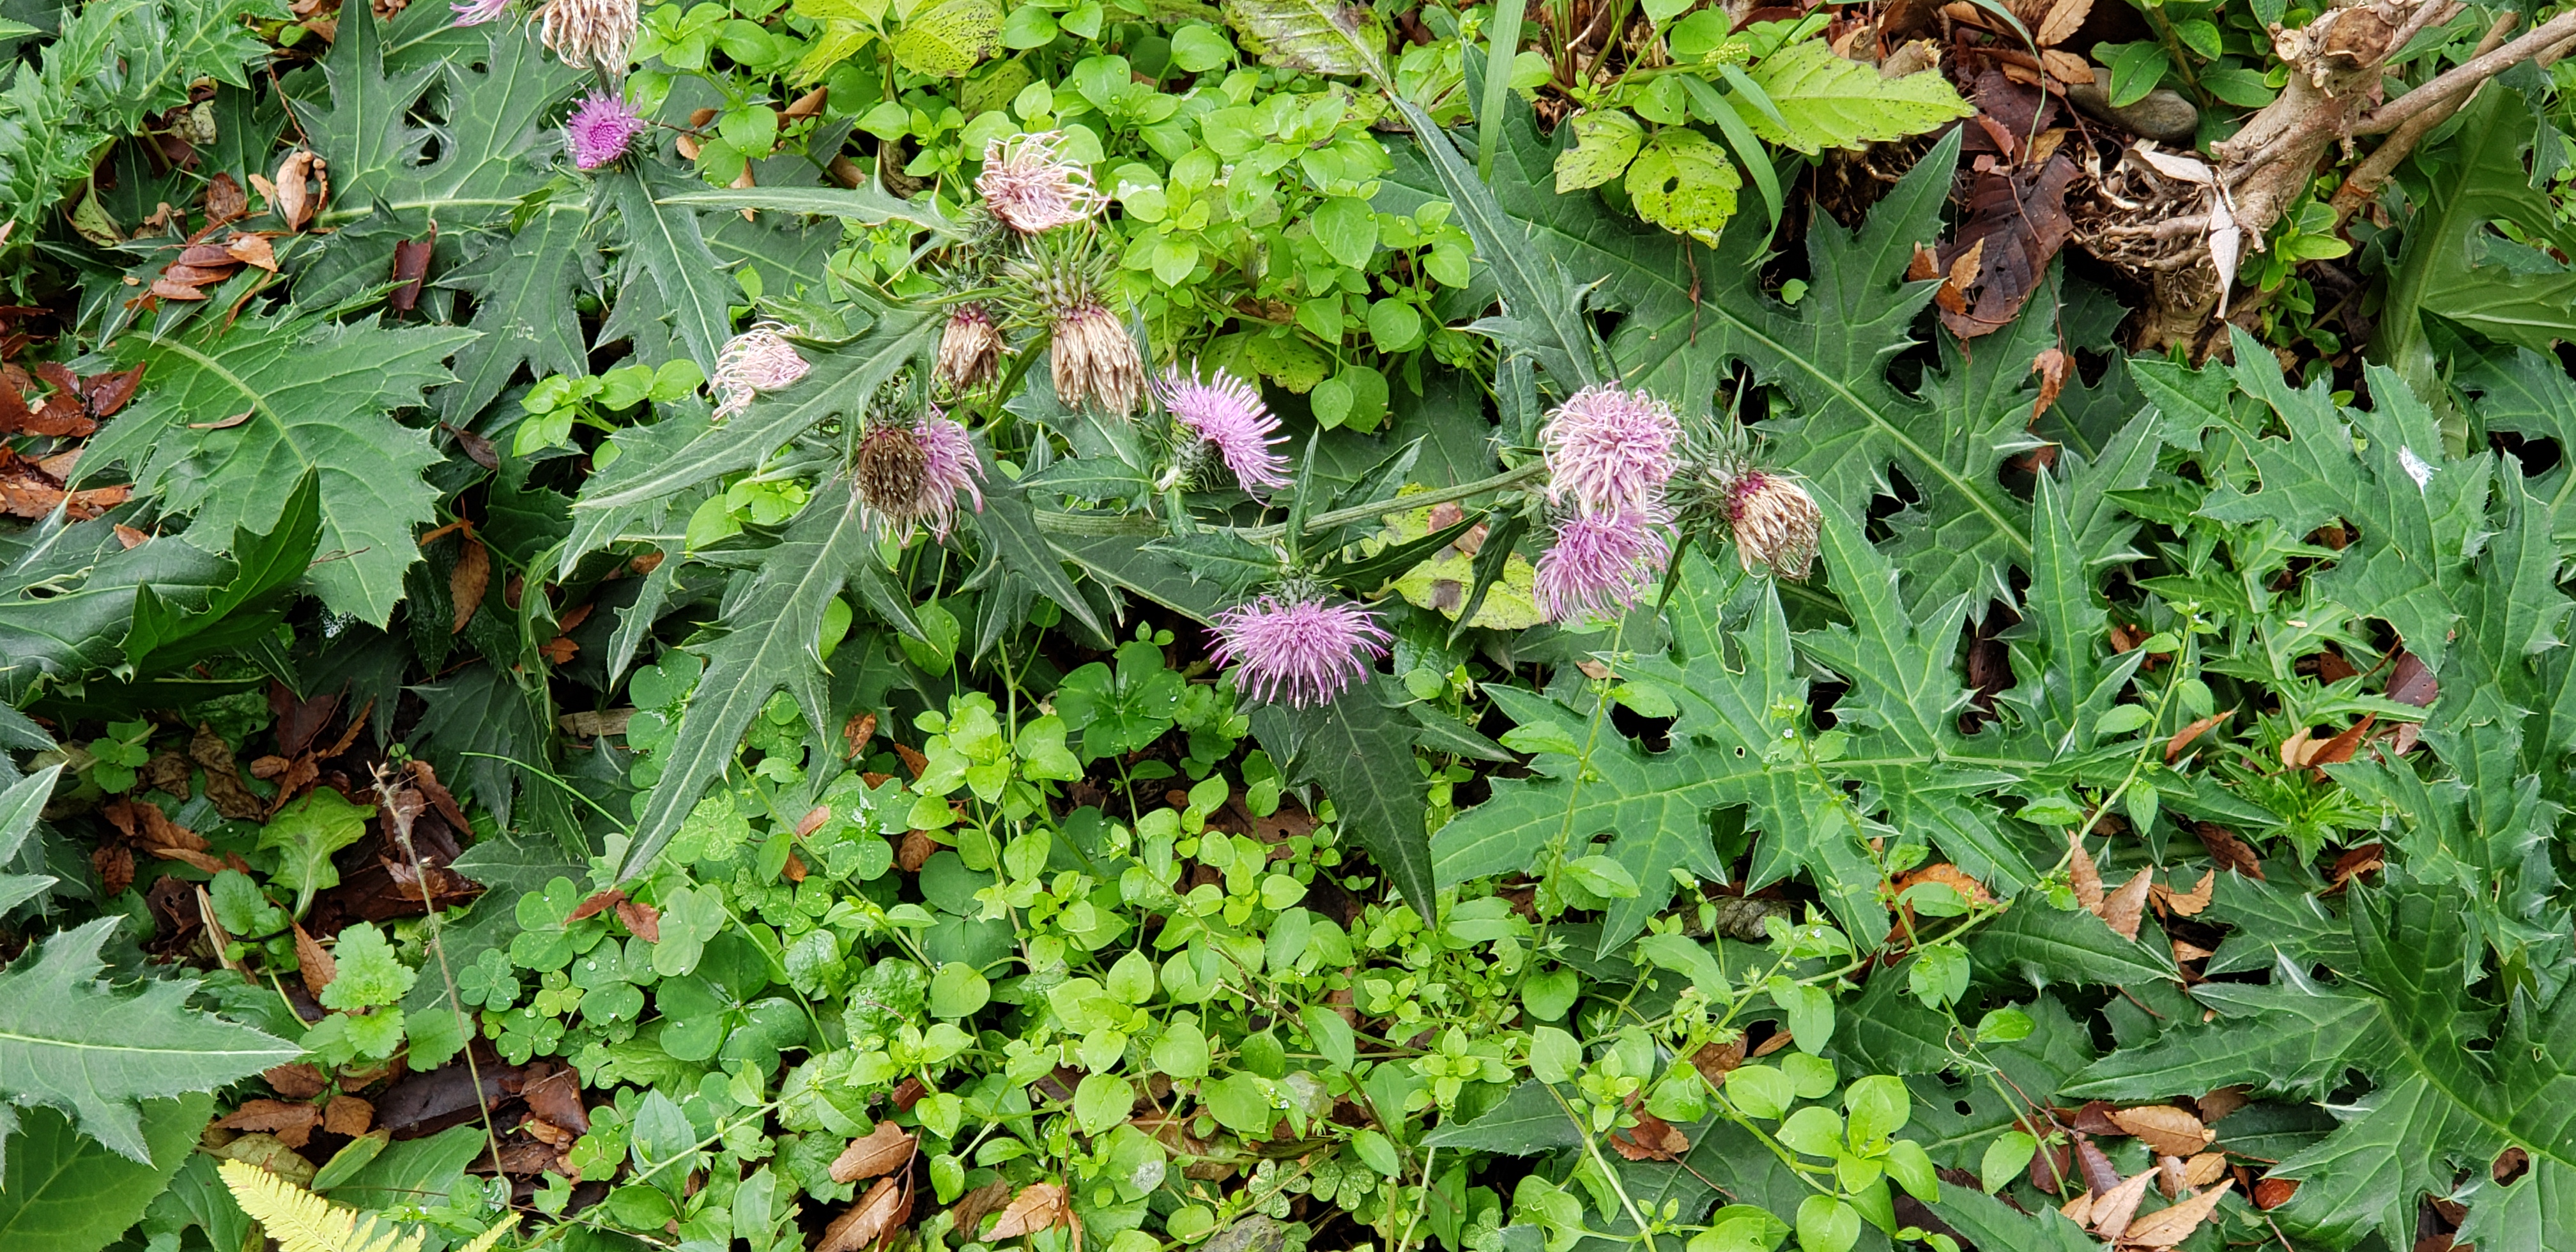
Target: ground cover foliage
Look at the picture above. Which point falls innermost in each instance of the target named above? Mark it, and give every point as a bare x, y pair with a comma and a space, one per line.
1128, 624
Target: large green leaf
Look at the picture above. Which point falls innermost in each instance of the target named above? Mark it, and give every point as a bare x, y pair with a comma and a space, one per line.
236, 418
1731, 669
485, 118
66, 1192
241, 613
765, 642
1830, 101
666, 245
67, 601
2457, 264
1360, 753
523, 289
70, 1042
2457, 1080
839, 385
20, 805
2420, 513
1317, 36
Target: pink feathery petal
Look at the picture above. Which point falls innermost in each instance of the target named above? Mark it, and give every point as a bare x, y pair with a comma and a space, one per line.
1610, 449
601, 130
477, 12
1601, 564
1228, 414
756, 361
949, 465
1303, 651
1029, 185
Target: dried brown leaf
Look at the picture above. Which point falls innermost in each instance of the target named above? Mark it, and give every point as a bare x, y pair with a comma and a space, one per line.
869, 1221
2223, 1101
1039, 1206
2166, 1227
314, 963
2113, 1208
2051, 365
252, 250
468, 581
2339, 749
882, 1151
299, 1081
2167, 1130
643, 920
2204, 1168
2228, 850
2182, 738
2086, 878
1651, 1139
2190, 903
348, 1115
293, 1124
293, 199
2272, 1193
596, 905
2122, 909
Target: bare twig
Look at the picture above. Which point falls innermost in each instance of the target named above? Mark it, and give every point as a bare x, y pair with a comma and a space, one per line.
2544, 38
2374, 171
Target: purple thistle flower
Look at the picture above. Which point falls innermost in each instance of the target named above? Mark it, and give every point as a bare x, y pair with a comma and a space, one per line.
477, 12
600, 131
949, 466
1302, 649
1601, 563
1610, 449
1229, 415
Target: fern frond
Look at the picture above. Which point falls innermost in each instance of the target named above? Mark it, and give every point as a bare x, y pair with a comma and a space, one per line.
491, 1239
301, 1221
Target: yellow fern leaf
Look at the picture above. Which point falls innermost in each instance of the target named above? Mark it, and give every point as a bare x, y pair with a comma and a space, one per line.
490, 1239
301, 1221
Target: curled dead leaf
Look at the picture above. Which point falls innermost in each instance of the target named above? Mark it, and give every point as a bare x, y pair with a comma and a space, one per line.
2204, 1168
1651, 1139
2272, 1193
2087, 879
642, 920
2200, 726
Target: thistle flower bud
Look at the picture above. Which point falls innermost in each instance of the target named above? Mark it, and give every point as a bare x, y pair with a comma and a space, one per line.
757, 360
1092, 357
1227, 415
1031, 188
1609, 450
1601, 564
912, 474
589, 32
970, 349
601, 130
1301, 648
1775, 523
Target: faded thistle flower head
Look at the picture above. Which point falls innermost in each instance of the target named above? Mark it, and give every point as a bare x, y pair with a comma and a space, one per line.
1609, 449
1601, 563
970, 349
589, 32
1298, 646
1775, 522
477, 12
601, 130
1227, 414
1061, 284
1029, 185
757, 360
912, 474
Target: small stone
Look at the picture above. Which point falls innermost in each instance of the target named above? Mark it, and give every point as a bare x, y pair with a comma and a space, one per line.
2162, 115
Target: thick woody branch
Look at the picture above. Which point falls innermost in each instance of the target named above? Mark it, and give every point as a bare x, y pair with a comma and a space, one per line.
2374, 171
2548, 37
